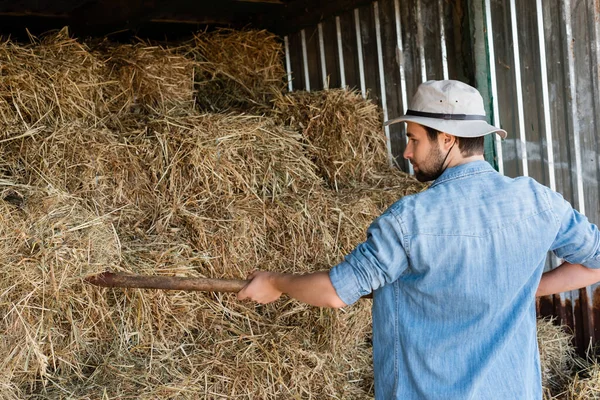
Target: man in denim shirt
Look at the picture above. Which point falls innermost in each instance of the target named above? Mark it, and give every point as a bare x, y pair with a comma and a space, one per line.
454, 270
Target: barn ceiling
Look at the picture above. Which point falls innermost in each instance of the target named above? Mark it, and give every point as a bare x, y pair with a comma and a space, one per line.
164, 17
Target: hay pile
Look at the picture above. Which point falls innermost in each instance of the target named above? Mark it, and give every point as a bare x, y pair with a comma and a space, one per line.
113, 156
240, 71
565, 375
108, 160
586, 384
342, 131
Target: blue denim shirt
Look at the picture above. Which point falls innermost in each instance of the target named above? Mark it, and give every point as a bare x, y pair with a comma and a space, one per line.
454, 271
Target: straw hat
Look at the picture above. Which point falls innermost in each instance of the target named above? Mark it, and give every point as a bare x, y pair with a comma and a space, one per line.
449, 106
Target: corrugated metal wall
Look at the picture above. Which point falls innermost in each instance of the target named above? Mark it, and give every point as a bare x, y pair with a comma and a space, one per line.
385, 49
536, 62
544, 71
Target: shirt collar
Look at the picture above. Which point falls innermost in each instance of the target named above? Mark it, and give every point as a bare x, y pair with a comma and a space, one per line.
470, 168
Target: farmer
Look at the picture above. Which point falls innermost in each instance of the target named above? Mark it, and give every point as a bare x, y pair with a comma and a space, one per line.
454, 270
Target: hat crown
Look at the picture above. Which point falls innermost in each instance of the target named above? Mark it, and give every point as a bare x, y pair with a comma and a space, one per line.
447, 97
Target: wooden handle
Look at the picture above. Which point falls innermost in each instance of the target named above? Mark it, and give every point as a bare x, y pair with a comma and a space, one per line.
121, 280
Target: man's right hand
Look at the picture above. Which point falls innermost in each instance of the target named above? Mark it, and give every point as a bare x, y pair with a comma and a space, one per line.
314, 288
261, 288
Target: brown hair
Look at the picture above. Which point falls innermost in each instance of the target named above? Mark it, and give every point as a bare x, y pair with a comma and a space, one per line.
467, 146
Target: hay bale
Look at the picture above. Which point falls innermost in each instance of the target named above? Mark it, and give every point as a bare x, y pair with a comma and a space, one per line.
238, 70
49, 82
146, 78
173, 345
50, 240
82, 342
343, 130
166, 167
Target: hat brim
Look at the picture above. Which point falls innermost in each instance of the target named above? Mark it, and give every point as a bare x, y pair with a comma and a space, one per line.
459, 128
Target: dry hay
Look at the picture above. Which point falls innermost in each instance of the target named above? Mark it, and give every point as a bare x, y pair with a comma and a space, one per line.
238, 70
586, 384
166, 167
557, 356
209, 195
55, 80
149, 344
343, 130
146, 78
50, 240
159, 189
47, 83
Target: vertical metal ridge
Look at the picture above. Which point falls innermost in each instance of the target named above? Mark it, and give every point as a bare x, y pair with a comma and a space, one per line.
338, 29
382, 82
595, 66
322, 54
494, 86
400, 59
288, 63
519, 87
305, 61
420, 41
443, 40
545, 95
361, 66
566, 15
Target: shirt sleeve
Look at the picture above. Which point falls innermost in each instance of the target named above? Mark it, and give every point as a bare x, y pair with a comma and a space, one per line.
578, 240
379, 260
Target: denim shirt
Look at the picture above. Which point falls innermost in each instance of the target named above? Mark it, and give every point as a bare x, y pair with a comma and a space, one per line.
454, 271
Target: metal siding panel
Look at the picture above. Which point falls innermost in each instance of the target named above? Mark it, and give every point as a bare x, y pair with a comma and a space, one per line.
583, 16
369, 46
296, 61
382, 80
331, 53
350, 51
504, 67
452, 14
555, 45
493, 87
322, 62
532, 90
560, 79
288, 65
430, 19
594, 209
411, 57
393, 83
340, 51
313, 58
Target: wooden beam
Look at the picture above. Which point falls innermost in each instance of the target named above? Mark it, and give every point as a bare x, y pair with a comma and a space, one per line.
103, 16
299, 14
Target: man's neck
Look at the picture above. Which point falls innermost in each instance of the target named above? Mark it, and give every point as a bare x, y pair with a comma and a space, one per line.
459, 160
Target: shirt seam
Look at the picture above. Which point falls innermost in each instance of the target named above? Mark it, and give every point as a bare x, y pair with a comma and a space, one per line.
403, 230
460, 176
501, 228
549, 204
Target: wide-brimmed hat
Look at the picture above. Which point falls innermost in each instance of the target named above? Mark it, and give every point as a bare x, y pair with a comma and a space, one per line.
449, 106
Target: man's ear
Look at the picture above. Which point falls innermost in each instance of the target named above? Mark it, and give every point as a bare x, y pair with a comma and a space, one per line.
448, 140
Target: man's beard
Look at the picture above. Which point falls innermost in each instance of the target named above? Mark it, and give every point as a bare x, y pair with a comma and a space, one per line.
433, 167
